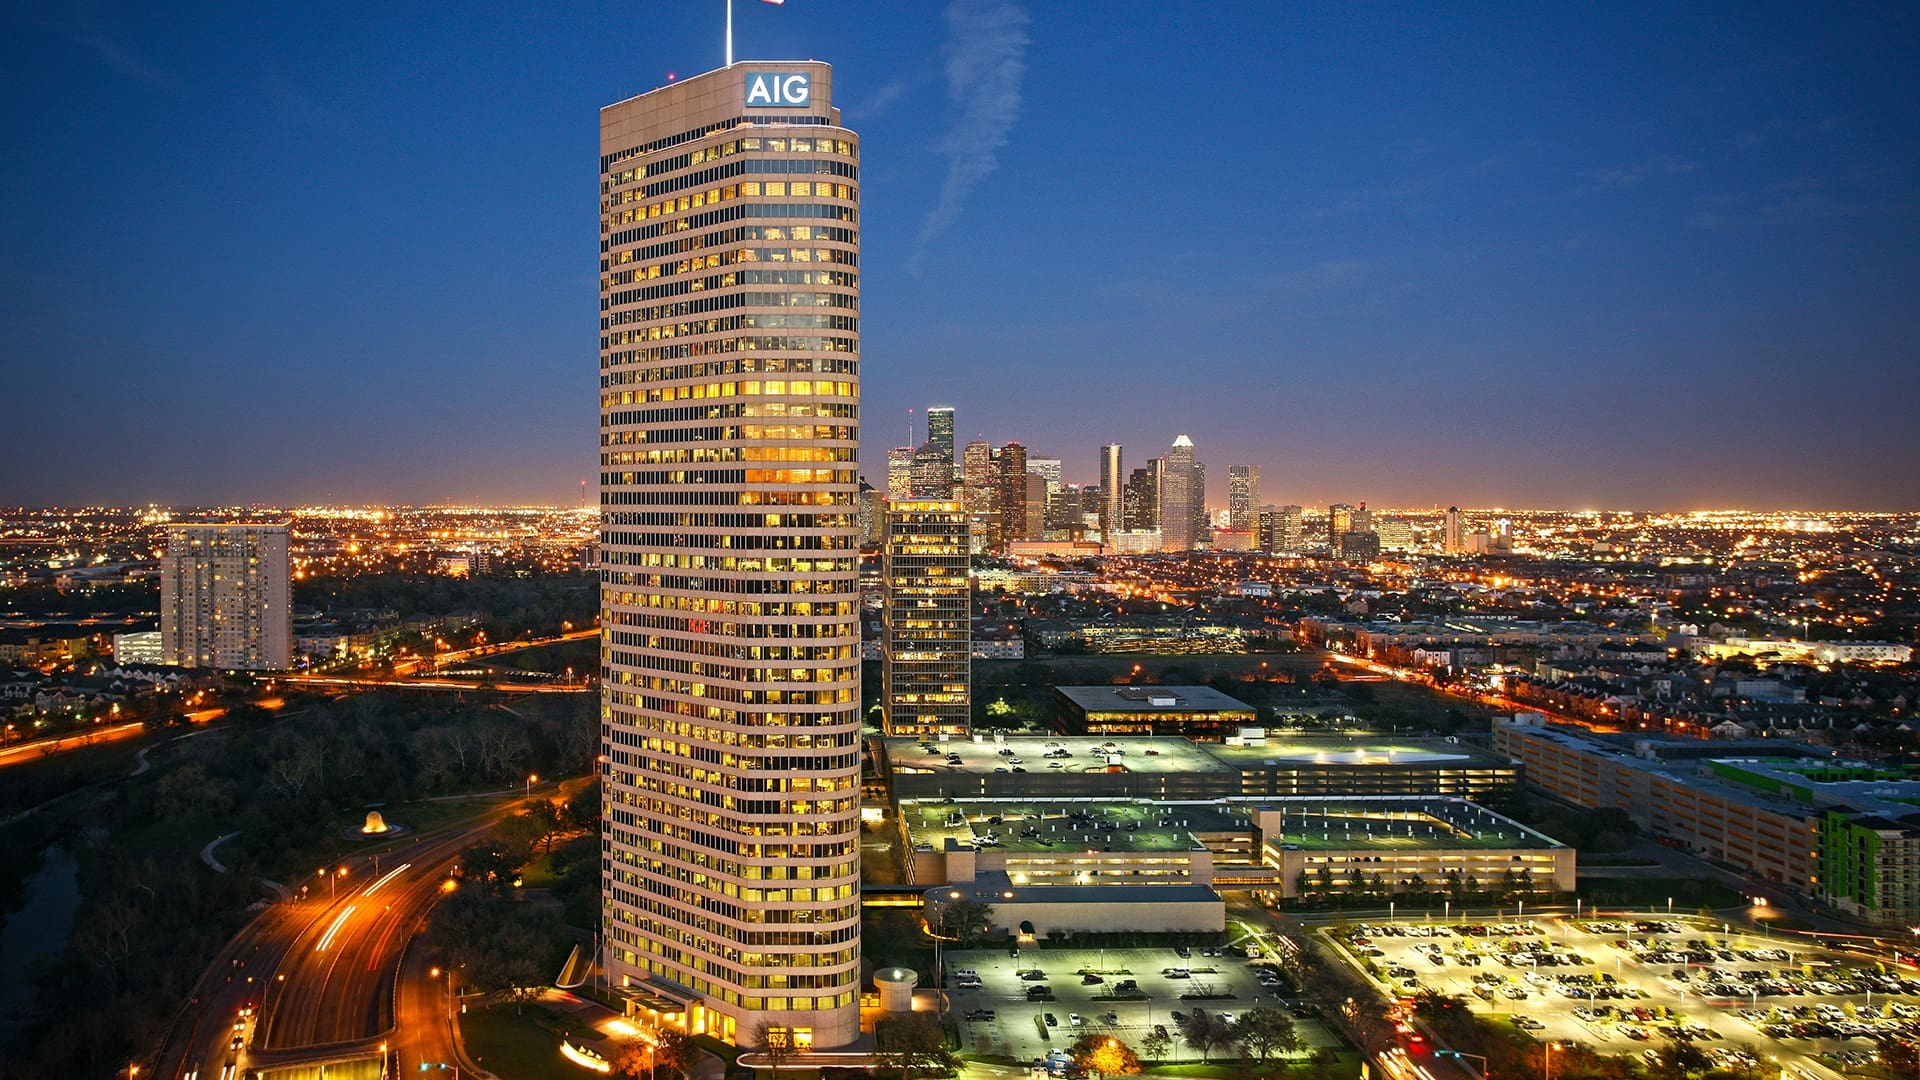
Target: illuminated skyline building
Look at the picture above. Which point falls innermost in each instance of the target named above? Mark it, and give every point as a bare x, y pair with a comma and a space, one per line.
226, 597
900, 472
1112, 491
927, 655
1183, 500
730, 641
1243, 497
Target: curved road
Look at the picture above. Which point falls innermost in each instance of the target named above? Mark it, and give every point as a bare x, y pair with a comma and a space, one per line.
321, 972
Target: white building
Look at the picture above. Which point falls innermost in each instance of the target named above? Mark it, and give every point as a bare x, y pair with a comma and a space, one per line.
225, 599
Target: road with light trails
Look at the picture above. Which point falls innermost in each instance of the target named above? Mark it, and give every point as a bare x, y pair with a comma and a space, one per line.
320, 972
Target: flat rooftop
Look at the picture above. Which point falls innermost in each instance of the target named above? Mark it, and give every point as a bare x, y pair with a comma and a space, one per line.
1067, 825
1151, 699
1149, 754
1389, 823
1385, 823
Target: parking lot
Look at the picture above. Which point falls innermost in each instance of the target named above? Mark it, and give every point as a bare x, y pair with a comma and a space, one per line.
1623, 985
1018, 1025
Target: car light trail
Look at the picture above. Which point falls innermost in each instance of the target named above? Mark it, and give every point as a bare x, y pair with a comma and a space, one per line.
384, 878
326, 939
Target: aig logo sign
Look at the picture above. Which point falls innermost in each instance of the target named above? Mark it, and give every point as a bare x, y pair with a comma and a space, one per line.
785, 90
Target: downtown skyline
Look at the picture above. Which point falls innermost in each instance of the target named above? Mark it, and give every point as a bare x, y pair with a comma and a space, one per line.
1674, 273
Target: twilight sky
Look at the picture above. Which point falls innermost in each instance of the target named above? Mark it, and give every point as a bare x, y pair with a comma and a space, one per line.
1521, 255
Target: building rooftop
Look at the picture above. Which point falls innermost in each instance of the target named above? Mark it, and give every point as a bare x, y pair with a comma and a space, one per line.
1396, 823
1151, 699
1145, 754
1067, 825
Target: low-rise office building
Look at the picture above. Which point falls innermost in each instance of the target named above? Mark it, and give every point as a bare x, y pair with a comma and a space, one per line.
1173, 769
1197, 712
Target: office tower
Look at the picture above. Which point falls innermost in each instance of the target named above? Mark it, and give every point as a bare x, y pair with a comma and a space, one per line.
927, 660
1339, 524
1290, 529
873, 514
1359, 546
1396, 534
1362, 520
1112, 495
1140, 504
1243, 495
225, 598
931, 476
940, 430
730, 641
1036, 527
1049, 468
976, 477
1182, 498
900, 472
1453, 535
1010, 494
1066, 512
1503, 535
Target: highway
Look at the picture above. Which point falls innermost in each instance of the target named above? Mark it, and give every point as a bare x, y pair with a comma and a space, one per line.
319, 972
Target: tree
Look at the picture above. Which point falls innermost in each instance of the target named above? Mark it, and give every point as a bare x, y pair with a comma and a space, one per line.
1105, 1055
1680, 1058
516, 834
499, 947
967, 921
672, 1051
774, 1042
1156, 1043
1266, 1031
583, 809
1204, 1032
913, 1044
632, 1058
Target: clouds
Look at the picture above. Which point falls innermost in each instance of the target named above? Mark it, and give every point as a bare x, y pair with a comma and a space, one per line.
986, 52
1622, 177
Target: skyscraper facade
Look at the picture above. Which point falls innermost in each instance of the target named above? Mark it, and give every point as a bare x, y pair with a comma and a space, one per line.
927, 658
1243, 497
1010, 494
931, 476
1453, 532
940, 430
1183, 504
1112, 490
1141, 501
225, 598
1339, 524
900, 472
730, 641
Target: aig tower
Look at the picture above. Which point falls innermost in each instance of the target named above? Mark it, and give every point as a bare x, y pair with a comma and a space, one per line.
730, 645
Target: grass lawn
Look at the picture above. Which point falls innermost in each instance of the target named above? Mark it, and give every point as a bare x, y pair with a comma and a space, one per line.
526, 1045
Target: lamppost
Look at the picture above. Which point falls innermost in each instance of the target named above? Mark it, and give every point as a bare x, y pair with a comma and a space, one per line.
1549, 1048
532, 778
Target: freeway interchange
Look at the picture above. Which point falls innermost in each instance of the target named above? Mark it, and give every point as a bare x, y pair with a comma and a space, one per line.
329, 976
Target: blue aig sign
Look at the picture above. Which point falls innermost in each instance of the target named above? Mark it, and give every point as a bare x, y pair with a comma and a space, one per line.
778, 89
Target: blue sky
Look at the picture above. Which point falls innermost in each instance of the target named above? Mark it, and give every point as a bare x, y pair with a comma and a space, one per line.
1509, 255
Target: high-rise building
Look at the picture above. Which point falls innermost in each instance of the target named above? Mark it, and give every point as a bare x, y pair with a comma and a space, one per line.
1036, 527
932, 473
1396, 534
1362, 519
1243, 496
900, 472
1141, 501
1010, 494
1453, 532
940, 429
1183, 500
225, 598
1290, 529
1048, 468
873, 514
927, 659
1339, 524
730, 641
979, 493
1112, 495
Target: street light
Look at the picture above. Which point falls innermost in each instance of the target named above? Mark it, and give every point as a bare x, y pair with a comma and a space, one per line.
532, 778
